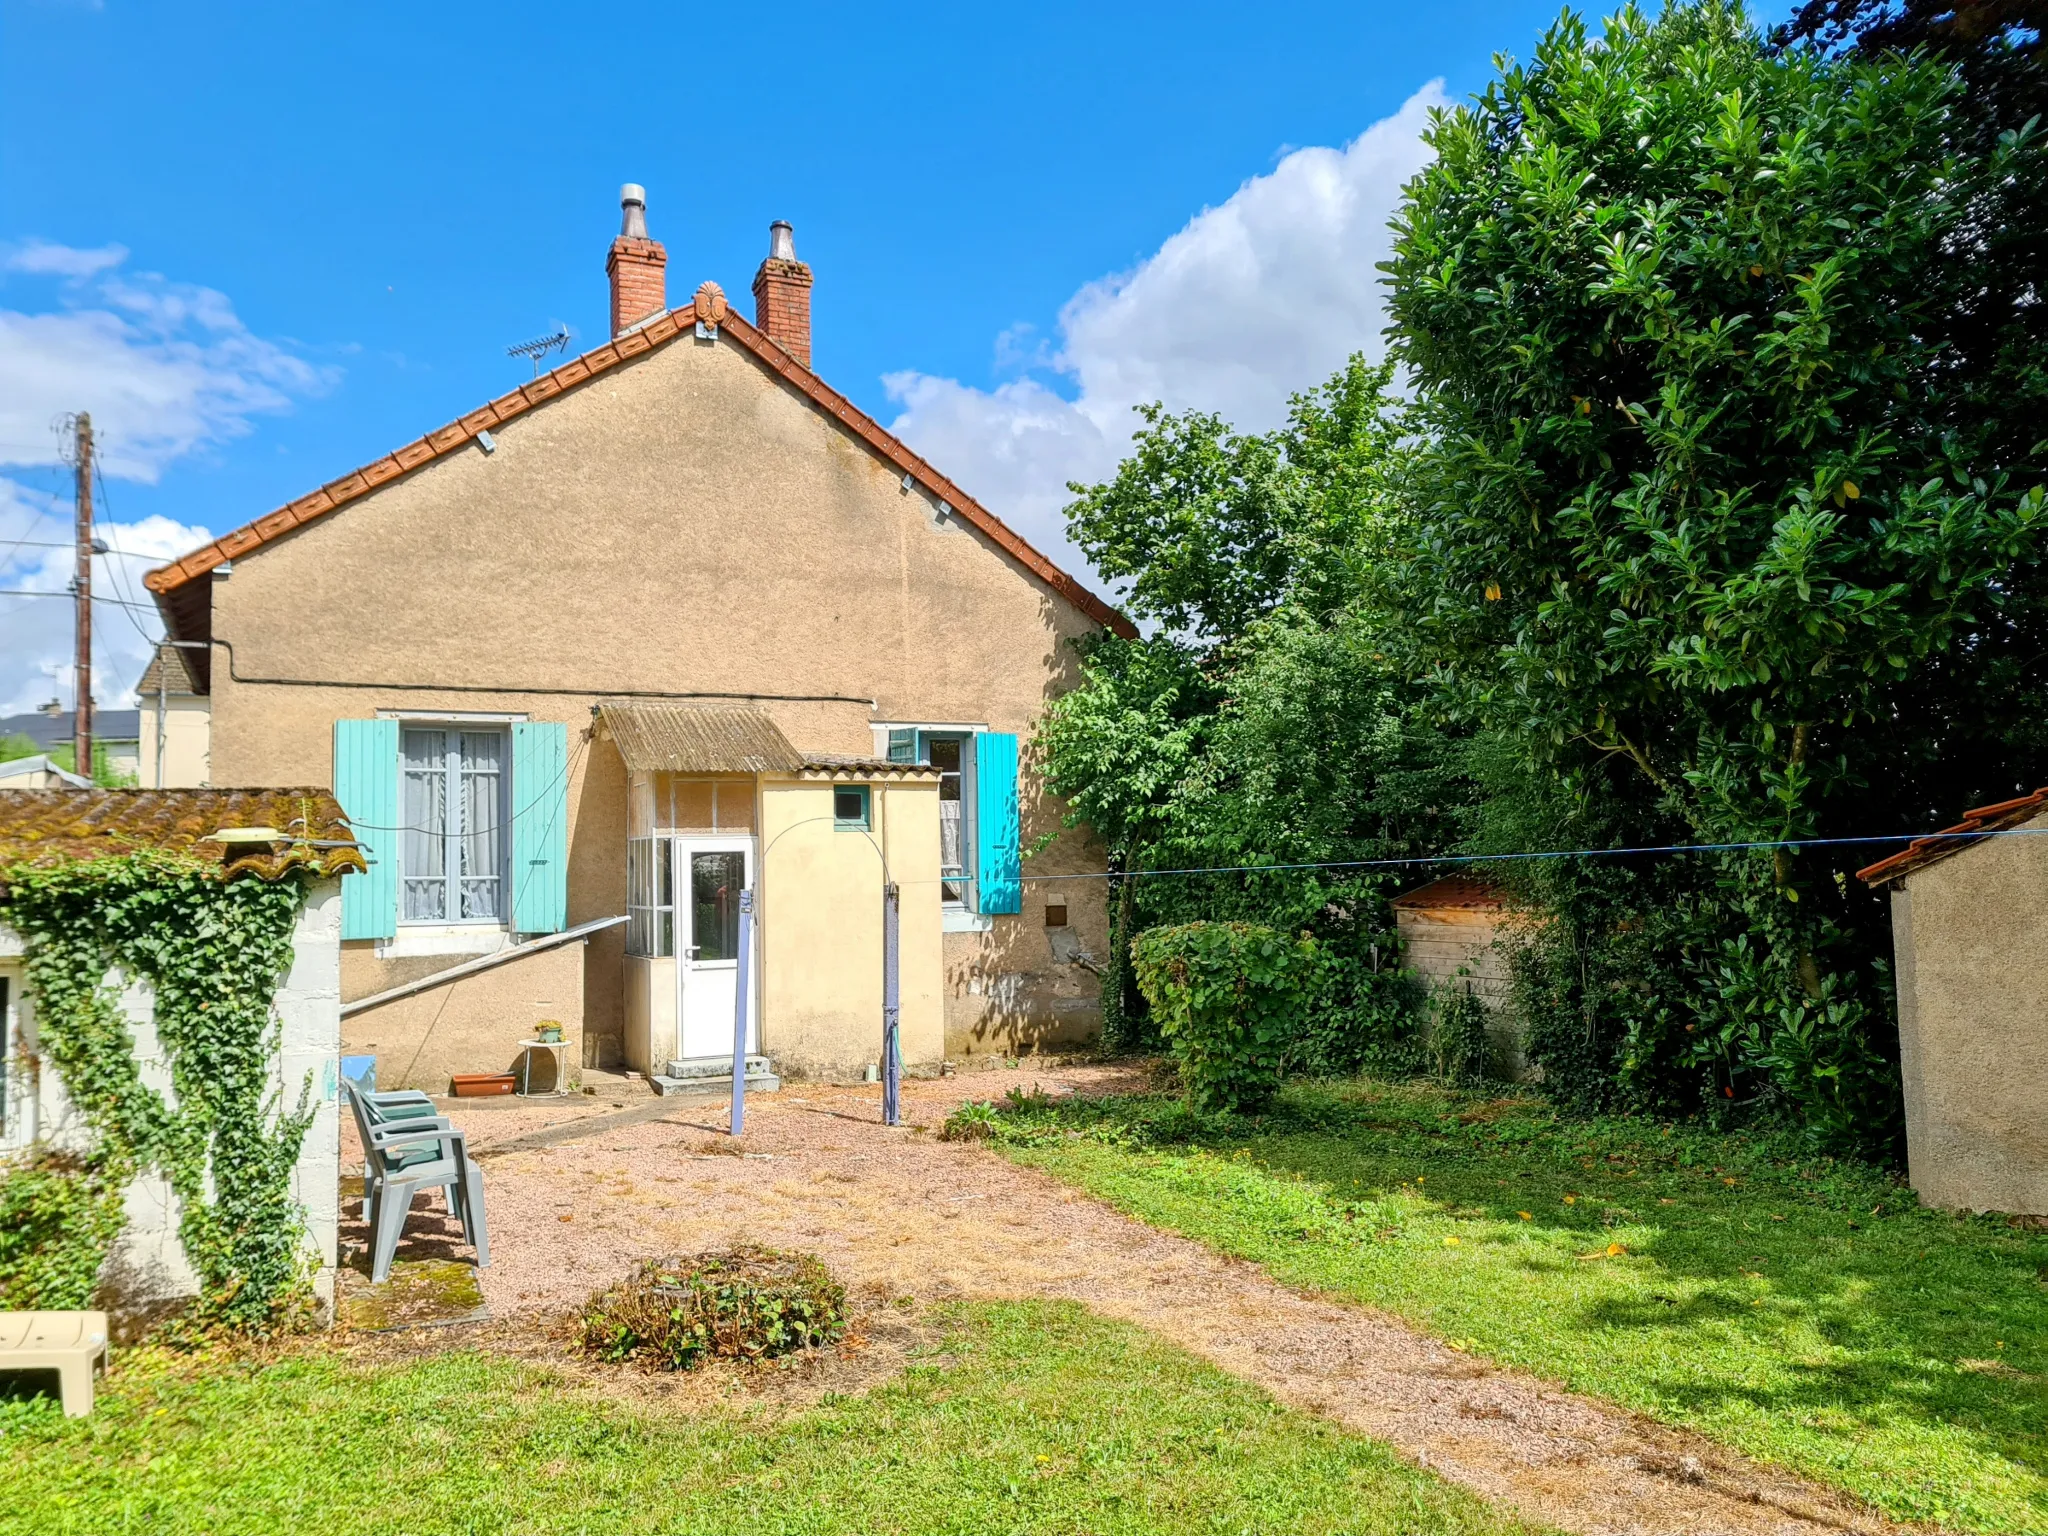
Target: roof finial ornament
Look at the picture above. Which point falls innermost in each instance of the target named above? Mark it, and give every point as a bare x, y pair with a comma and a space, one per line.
710, 303
633, 211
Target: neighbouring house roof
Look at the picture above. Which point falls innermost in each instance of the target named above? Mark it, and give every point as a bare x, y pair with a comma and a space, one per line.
178, 598
41, 826
1452, 891
34, 767
169, 671
48, 730
678, 738
1935, 847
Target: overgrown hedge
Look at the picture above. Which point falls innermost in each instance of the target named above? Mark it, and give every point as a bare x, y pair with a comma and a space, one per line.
1231, 1000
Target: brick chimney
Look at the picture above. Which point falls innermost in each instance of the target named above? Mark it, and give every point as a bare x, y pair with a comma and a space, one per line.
782, 294
638, 266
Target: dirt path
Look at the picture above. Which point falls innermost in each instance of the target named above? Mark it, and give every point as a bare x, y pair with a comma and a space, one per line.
899, 1210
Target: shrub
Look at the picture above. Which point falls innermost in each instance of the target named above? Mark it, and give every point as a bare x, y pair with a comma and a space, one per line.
59, 1217
1232, 1000
749, 1304
1457, 1037
1365, 1021
970, 1122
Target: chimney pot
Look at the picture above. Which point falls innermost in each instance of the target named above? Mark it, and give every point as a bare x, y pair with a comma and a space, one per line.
637, 266
782, 295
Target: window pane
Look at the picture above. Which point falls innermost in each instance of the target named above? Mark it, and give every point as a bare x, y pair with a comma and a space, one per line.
482, 831
423, 847
638, 917
944, 753
715, 881
850, 805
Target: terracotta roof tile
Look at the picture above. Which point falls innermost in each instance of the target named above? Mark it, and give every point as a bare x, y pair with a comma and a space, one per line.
1932, 849
43, 826
1453, 891
834, 765
457, 434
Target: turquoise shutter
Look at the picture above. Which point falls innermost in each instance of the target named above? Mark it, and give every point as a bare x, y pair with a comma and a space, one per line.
540, 828
366, 784
902, 746
999, 862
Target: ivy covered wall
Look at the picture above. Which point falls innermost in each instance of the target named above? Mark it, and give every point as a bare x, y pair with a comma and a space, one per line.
186, 1029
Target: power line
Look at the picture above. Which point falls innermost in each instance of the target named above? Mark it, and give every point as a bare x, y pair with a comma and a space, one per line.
121, 576
68, 597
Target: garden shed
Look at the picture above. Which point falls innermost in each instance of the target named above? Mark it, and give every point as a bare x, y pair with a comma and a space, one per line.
1450, 931
169, 1035
1970, 945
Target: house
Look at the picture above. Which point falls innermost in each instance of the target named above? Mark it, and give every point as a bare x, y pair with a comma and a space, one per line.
1450, 938
1970, 952
172, 724
38, 772
148, 1264
54, 729
672, 622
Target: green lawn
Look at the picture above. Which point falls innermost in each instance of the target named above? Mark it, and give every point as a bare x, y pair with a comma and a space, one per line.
1808, 1313
1026, 1418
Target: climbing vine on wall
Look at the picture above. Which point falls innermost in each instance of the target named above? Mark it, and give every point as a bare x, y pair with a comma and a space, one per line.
213, 953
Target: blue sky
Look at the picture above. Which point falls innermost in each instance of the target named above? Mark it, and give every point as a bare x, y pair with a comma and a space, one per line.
265, 243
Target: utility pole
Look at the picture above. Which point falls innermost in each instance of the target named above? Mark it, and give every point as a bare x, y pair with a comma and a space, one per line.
81, 587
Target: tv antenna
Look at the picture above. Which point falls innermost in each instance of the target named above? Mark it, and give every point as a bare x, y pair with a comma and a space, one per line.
540, 347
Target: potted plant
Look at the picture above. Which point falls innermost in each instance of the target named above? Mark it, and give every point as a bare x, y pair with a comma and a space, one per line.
549, 1032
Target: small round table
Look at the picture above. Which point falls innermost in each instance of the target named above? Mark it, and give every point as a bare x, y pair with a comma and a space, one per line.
560, 1048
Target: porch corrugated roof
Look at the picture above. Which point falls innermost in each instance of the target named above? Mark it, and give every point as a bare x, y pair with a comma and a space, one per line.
677, 738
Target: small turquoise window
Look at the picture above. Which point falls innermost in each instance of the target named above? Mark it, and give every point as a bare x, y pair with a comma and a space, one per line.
850, 807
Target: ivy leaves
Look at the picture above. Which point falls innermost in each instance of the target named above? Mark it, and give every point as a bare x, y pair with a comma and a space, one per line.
213, 953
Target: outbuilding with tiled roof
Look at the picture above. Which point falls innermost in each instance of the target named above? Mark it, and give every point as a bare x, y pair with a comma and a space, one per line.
297, 835
1970, 948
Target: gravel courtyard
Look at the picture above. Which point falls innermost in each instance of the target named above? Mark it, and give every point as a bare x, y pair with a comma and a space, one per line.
580, 1188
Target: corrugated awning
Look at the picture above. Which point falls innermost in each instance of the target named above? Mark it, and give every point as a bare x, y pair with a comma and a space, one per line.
677, 738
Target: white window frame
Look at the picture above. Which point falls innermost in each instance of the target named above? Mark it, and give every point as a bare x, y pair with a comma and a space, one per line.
450, 929
956, 915
650, 921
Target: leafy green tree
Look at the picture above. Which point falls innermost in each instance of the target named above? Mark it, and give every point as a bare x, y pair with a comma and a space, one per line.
1688, 529
1213, 530
1264, 722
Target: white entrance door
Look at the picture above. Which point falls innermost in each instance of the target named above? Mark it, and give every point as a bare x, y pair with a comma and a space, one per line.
710, 874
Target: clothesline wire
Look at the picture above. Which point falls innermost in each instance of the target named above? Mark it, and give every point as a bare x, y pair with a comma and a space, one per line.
1502, 858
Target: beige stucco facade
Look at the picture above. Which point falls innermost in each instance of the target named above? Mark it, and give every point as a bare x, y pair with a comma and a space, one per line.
472, 1023
186, 731
685, 526
1970, 936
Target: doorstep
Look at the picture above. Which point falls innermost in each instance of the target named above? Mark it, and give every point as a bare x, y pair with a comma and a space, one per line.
713, 1075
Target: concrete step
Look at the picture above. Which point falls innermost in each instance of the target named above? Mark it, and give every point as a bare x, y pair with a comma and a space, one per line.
696, 1080
715, 1066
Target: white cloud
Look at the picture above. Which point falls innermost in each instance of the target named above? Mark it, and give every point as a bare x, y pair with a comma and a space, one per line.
166, 369
35, 632
1252, 302
45, 258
